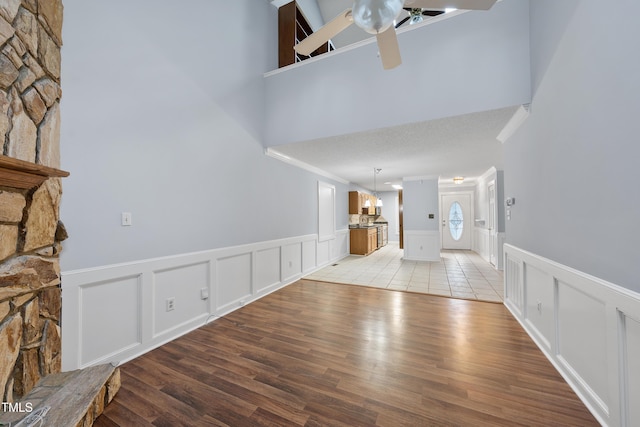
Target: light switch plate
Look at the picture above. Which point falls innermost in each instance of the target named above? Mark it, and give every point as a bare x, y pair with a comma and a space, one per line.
126, 219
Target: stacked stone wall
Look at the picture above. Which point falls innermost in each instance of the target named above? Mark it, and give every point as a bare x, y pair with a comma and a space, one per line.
30, 230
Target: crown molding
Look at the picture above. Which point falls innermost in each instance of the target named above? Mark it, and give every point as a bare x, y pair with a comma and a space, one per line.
302, 165
514, 123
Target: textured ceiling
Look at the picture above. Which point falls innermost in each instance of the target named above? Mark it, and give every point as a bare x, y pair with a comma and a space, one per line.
456, 146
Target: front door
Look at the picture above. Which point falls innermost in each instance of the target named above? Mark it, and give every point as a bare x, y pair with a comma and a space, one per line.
456, 224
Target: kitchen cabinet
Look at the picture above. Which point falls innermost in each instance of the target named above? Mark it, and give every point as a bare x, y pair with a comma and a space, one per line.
363, 241
357, 201
373, 239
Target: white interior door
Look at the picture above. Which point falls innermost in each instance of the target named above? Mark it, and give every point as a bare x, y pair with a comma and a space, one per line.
456, 224
491, 189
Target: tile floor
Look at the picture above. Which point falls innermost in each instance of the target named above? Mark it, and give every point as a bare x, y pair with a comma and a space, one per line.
459, 274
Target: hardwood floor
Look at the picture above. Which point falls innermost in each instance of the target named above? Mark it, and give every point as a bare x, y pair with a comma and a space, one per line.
323, 354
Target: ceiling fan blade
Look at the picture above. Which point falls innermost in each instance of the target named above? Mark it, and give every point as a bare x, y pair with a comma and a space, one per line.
389, 49
455, 4
325, 33
403, 21
432, 12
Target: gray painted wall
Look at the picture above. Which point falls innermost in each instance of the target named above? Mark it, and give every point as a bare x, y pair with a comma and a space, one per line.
420, 198
573, 165
435, 69
157, 122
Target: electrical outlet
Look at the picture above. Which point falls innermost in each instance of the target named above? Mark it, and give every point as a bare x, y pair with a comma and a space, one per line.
171, 304
242, 303
204, 293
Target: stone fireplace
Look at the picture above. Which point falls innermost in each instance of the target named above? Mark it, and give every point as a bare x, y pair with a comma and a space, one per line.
30, 192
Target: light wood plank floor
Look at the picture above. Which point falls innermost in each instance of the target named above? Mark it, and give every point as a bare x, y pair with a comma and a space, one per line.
323, 354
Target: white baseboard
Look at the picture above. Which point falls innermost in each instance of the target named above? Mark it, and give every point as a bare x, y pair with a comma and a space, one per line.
588, 328
115, 313
421, 245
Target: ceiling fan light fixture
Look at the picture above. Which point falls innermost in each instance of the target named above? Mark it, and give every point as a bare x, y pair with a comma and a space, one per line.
376, 16
416, 20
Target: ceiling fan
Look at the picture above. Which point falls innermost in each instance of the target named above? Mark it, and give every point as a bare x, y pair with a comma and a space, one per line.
416, 15
376, 17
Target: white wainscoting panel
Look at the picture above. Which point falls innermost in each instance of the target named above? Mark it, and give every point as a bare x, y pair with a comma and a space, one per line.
540, 300
501, 236
631, 352
117, 312
514, 284
587, 327
340, 245
123, 329
267, 268
421, 245
324, 252
291, 261
309, 255
480, 244
189, 279
582, 340
233, 280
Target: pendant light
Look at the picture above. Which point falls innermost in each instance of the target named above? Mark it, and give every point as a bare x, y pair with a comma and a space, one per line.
376, 171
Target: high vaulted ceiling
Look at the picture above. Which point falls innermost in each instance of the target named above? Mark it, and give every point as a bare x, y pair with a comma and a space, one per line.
464, 145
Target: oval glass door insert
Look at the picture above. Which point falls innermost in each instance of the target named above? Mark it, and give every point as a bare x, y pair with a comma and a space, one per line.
456, 222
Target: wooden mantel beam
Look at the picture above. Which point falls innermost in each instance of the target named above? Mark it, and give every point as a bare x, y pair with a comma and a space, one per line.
16, 173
